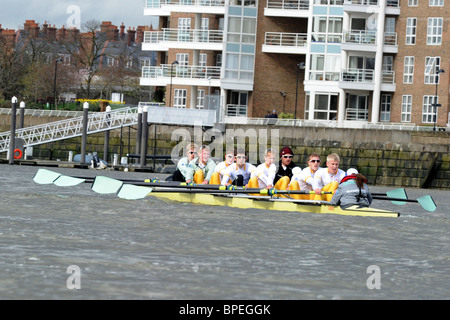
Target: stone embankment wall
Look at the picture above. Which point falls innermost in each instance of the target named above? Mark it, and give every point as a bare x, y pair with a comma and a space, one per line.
385, 157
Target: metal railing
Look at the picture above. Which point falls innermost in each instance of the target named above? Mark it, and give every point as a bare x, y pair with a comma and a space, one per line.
44, 113
167, 71
206, 3
288, 4
357, 75
181, 35
286, 39
71, 128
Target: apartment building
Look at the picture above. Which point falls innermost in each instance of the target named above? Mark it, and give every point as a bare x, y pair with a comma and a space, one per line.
345, 62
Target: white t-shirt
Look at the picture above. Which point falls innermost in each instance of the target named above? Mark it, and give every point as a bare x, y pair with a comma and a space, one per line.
323, 177
305, 178
232, 171
265, 174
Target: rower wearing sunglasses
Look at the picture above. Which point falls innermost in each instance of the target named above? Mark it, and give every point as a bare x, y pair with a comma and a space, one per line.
304, 179
286, 169
182, 166
221, 167
240, 172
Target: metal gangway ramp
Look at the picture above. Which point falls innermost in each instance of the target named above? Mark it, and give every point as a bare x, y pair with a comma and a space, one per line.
71, 128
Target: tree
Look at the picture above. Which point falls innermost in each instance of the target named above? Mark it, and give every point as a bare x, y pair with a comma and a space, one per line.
10, 68
86, 49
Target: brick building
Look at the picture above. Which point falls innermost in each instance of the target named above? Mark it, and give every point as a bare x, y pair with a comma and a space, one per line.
348, 63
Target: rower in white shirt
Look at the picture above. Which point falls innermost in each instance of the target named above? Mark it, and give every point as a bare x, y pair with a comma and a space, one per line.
304, 179
217, 175
328, 179
264, 174
238, 173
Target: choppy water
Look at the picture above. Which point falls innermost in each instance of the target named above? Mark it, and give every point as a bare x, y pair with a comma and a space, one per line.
151, 249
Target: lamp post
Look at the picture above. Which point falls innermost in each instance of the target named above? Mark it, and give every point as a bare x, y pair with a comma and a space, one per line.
300, 66
436, 105
54, 82
171, 75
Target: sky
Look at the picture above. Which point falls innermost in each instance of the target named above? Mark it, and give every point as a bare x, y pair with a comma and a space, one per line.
73, 13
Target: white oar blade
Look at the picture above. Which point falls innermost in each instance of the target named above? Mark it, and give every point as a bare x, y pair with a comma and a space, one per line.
132, 192
66, 181
44, 176
105, 185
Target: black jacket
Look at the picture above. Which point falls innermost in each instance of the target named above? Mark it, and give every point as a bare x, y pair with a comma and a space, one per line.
281, 172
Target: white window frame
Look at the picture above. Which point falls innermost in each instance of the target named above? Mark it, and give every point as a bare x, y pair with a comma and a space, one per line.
435, 3
411, 29
180, 98
413, 3
408, 70
428, 109
406, 108
201, 98
434, 31
430, 73
184, 27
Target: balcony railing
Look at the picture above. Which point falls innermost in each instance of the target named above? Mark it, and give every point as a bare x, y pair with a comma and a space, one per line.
388, 77
192, 72
288, 4
235, 110
179, 35
360, 37
389, 3
357, 75
207, 3
286, 39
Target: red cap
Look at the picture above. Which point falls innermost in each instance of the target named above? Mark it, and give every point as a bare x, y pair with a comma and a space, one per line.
286, 150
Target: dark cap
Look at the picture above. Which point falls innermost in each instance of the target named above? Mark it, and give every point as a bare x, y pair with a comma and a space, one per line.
286, 150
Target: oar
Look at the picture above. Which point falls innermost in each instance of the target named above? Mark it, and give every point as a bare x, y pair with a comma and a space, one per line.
44, 176
399, 193
426, 202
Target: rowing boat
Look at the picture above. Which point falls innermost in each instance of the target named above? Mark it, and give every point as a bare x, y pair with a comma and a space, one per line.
234, 198
270, 203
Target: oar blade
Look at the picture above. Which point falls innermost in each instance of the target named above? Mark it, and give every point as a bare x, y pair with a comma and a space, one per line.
44, 176
105, 185
66, 181
427, 203
399, 193
133, 192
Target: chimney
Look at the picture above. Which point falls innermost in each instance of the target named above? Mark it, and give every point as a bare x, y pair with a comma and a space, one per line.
131, 36
52, 32
122, 31
140, 34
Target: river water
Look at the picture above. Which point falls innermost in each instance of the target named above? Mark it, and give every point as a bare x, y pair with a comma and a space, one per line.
72, 243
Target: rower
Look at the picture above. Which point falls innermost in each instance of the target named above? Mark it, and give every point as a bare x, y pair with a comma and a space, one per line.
286, 169
328, 179
201, 168
183, 163
239, 173
218, 173
353, 190
304, 179
264, 174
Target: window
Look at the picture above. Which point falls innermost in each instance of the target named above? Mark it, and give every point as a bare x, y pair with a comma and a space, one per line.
431, 65
436, 3
112, 62
145, 62
406, 108
386, 107
411, 26
434, 31
179, 100
413, 3
428, 109
357, 108
408, 70
184, 26
325, 107
200, 99
202, 59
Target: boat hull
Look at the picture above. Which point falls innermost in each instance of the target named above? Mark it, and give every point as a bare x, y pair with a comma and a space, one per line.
268, 203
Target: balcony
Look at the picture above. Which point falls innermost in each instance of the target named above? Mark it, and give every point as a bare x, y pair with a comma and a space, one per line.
371, 6
287, 8
165, 7
364, 79
363, 40
180, 75
279, 42
183, 39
